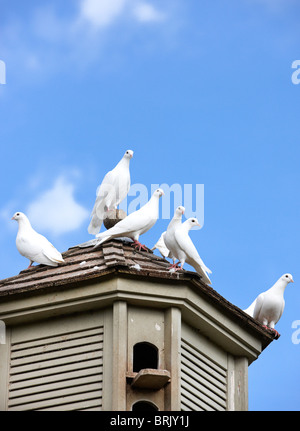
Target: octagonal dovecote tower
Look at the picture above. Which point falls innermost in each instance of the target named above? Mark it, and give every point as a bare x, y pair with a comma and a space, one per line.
113, 329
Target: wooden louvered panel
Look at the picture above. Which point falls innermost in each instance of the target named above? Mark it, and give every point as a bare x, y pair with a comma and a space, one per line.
59, 372
203, 381
54, 346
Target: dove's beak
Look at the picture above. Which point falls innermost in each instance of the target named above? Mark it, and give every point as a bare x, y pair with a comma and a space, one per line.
198, 224
12, 218
292, 281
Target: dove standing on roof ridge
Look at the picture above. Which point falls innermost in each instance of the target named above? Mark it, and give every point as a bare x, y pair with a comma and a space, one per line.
113, 189
33, 245
268, 307
169, 238
185, 251
136, 223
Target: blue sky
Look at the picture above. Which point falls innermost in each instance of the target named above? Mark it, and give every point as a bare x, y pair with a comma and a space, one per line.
202, 91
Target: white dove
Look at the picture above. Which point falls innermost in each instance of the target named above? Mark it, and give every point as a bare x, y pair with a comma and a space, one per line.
185, 251
111, 192
34, 246
136, 223
169, 237
268, 307
161, 246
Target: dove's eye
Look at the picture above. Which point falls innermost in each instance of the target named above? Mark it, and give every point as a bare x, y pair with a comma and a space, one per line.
287, 276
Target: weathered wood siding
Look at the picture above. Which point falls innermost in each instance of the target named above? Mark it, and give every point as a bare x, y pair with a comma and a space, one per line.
57, 365
203, 373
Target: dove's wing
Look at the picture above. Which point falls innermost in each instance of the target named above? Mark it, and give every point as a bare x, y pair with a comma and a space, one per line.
38, 249
136, 222
258, 306
110, 193
103, 192
161, 246
114, 187
192, 257
51, 252
187, 246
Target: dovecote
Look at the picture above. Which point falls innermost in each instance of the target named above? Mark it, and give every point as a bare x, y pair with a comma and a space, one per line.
113, 329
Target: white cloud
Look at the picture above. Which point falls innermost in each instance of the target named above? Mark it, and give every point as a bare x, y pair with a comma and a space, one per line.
56, 210
145, 12
48, 42
101, 13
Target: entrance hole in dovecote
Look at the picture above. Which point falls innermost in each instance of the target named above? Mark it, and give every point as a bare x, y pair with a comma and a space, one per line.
145, 355
144, 406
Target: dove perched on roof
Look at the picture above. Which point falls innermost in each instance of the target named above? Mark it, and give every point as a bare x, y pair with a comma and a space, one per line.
113, 189
136, 223
268, 307
169, 237
161, 246
185, 251
33, 245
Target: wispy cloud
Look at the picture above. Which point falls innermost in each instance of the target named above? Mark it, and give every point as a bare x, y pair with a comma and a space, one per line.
49, 39
56, 210
146, 13
102, 13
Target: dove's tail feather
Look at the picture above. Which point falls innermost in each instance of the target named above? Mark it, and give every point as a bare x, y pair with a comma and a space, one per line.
250, 309
95, 225
97, 217
54, 260
206, 269
202, 271
99, 242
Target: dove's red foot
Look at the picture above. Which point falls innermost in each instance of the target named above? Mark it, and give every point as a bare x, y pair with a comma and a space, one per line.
175, 266
138, 245
30, 265
273, 330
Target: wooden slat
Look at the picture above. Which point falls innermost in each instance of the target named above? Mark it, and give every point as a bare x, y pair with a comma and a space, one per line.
203, 381
55, 403
195, 403
198, 355
42, 341
55, 378
57, 353
219, 379
204, 372
55, 394
202, 394
197, 380
63, 371
57, 370
55, 362
43, 388
90, 404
